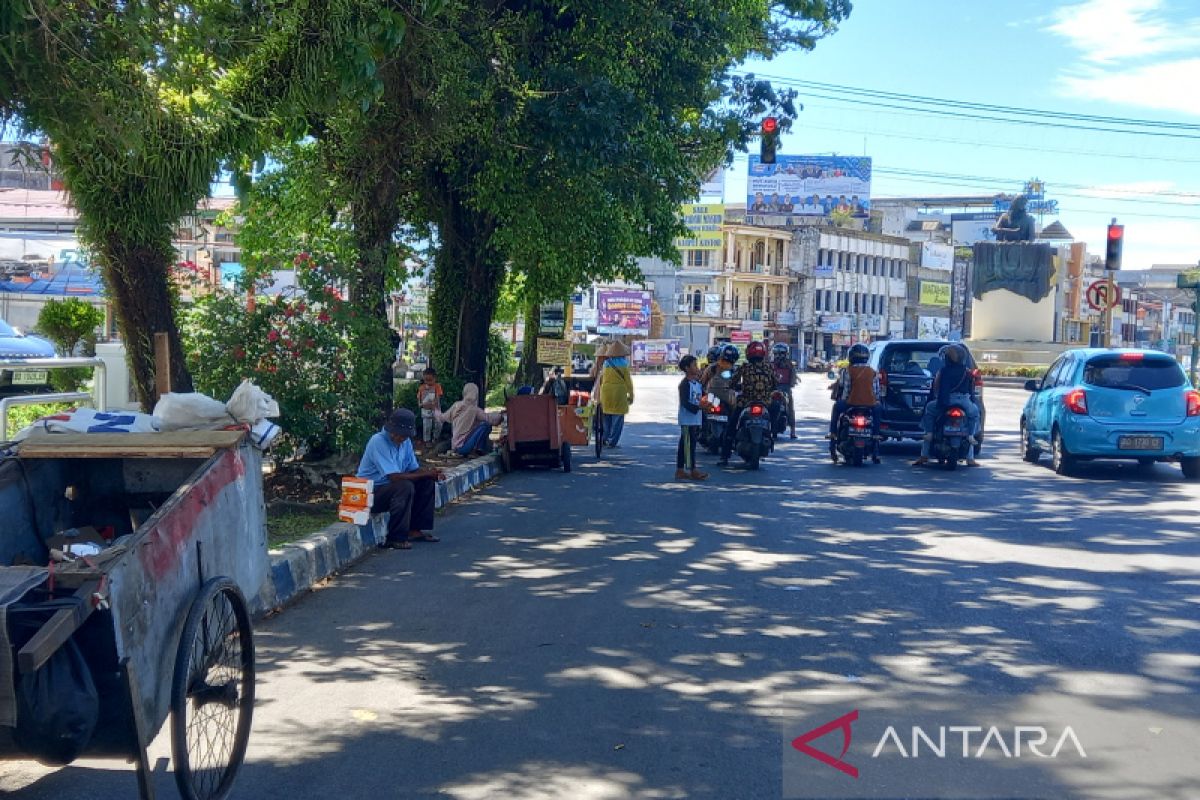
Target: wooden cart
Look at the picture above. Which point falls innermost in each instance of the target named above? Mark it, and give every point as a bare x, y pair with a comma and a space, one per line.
532, 434
160, 615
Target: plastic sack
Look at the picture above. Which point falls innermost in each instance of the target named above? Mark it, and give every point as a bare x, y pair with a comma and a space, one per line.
57, 708
190, 411
250, 405
88, 420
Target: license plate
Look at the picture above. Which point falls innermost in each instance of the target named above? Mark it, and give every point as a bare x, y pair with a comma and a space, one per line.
952, 430
711, 418
1140, 443
29, 377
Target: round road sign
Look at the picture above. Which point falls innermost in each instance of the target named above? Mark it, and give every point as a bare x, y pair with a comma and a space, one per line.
1098, 295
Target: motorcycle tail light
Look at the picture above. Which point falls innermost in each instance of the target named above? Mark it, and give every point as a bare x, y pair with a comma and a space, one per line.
756, 411
956, 413
1193, 403
1076, 401
859, 422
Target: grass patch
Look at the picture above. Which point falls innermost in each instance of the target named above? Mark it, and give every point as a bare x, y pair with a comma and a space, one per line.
20, 417
288, 525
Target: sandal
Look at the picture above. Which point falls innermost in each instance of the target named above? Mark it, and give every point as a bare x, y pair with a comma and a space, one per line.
404, 544
423, 537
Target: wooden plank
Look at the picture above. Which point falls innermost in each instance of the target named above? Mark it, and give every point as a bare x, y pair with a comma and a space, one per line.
173, 444
56, 631
162, 364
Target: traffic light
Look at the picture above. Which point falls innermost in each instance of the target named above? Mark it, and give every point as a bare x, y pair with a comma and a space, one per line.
1112, 254
770, 140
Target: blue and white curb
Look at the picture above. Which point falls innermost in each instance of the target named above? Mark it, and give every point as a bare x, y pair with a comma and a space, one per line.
298, 566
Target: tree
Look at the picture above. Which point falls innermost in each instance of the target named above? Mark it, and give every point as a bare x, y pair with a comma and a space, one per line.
69, 322
142, 103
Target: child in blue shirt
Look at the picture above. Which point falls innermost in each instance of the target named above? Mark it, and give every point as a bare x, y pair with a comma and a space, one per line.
690, 392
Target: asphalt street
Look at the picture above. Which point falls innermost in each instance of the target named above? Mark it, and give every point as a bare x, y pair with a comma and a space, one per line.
614, 633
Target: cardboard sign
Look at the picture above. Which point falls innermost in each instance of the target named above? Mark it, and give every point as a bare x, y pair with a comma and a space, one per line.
554, 352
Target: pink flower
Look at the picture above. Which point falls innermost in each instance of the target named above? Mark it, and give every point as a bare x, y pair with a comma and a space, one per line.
272, 336
323, 317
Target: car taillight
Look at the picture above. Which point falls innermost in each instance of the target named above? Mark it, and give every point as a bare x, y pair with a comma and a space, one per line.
1076, 401
859, 422
1193, 403
956, 413
883, 380
1135, 356
756, 411
977, 376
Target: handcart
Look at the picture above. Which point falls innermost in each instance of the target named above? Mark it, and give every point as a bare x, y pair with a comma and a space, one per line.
153, 625
532, 435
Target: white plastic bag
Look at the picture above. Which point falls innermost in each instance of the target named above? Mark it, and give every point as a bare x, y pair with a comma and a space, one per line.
190, 411
250, 405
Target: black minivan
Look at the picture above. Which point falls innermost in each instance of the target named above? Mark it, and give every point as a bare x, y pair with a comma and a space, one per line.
905, 378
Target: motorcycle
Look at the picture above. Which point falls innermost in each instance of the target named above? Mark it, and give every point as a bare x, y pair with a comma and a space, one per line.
715, 418
854, 440
754, 439
951, 438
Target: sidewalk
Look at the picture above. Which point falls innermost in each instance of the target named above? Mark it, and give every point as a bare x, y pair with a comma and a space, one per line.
298, 566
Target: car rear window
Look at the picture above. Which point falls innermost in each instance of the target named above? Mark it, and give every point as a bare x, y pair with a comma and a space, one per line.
912, 360
1114, 372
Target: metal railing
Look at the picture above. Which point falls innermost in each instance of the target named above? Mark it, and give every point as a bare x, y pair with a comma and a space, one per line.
98, 394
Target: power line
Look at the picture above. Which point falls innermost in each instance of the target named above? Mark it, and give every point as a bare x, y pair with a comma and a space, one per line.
993, 181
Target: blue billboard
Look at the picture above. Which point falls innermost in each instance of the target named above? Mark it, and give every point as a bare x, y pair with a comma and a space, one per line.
813, 186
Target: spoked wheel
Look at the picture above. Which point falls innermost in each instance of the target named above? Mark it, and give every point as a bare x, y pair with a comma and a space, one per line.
212, 694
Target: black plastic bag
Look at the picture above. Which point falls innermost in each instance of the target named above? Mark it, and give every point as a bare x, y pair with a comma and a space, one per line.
57, 708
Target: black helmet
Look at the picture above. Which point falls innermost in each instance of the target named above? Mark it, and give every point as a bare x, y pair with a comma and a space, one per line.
714, 353
859, 354
780, 351
730, 354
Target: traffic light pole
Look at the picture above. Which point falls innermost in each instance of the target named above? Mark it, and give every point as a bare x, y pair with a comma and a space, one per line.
1195, 335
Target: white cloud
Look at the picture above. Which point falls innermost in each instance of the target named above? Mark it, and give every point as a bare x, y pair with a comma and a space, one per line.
1167, 85
1108, 31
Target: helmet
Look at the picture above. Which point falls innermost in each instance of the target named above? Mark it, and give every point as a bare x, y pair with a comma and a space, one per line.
714, 353
954, 354
859, 354
780, 351
756, 351
730, 353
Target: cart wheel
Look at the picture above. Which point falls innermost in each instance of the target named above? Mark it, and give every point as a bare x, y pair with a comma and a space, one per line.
505, 459
212, 694
565, 457
598, 430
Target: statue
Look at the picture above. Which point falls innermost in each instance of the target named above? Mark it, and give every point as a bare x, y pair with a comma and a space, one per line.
1015, 225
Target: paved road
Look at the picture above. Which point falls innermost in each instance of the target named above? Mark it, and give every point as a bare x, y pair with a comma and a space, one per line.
616, 634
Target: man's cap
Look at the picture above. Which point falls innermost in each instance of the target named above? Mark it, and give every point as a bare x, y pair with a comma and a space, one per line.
402, 422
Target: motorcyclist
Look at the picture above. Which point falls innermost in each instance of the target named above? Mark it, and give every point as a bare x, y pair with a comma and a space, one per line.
953, 385
754, 381
786, 378
714, 355
857, 386
713, 380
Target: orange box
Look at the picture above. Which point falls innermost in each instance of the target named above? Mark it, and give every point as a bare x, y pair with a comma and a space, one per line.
357, 492
572, 426
356, 516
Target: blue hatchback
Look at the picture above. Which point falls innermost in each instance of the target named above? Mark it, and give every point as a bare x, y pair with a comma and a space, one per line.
1104, 403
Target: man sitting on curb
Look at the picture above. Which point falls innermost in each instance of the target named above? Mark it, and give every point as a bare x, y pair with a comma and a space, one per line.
402, 488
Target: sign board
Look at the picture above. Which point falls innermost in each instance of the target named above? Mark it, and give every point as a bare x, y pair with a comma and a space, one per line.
655, 352
623, 311
552, 317
823, 271
554, 352
1098, 296
753, 325
933, 327
934, 294
969, 228
741, 337
712, 305
831, 323
704, 221
814, 186
786, 318
713, 184
935, 255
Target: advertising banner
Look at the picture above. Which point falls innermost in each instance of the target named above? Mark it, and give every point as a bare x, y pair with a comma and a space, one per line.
813, 186
934, 294
704, 221
623, 311
933, 327
823, 271
935, 255
741, 337
831, 323
967, 229
655, 352
712, 305
552, 318
554, 352
713, 184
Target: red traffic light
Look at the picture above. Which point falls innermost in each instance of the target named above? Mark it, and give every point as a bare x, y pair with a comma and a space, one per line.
770, 126
1116, 232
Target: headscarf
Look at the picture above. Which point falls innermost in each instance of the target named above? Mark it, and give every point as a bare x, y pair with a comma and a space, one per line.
470, 399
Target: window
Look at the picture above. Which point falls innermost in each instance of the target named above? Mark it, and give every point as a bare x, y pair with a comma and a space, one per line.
856, 298
698, 259
1149, 373
821, 256
839, 260
900, 270
697, 301
828, 299
817, 301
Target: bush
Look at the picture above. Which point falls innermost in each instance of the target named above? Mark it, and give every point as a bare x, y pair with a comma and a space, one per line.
406, 393
67, 323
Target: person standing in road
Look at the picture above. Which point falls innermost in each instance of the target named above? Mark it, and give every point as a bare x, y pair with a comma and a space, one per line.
402, 488
786, 379
616, 392
690, 392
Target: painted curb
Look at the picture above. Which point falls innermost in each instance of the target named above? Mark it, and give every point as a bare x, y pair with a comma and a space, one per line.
296, 567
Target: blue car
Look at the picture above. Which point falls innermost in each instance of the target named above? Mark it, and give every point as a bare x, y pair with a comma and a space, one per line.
1106, 403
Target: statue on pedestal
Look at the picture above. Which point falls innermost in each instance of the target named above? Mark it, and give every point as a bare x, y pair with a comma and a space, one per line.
1015, 225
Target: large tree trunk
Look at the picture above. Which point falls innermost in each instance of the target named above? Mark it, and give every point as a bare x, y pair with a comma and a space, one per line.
137, 276
530, 373
467, 276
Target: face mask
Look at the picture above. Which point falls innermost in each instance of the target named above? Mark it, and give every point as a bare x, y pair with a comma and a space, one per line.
618, 361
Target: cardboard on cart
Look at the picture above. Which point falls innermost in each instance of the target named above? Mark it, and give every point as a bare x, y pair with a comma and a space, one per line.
357, 493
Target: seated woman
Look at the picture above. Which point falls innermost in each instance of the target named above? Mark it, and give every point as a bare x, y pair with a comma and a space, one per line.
470, 425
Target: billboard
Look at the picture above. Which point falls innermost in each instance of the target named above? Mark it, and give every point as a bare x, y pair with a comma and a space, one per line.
704, 221
623, 311
800, 186
935, 255
934, 294
967, 229
552, 318
933, 327
655, 352
713, 184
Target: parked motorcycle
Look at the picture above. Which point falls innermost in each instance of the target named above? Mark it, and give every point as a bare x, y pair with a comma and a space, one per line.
951, 438
754, 439
854, 441
715, 418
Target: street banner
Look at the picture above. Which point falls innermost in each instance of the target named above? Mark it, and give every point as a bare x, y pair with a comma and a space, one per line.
704, 220
655, 352
552, 318
935, 255
832, 323
969, 228
933, 327
813, 186
623, 311
712, 305
554, 352
713, 184
741, 337
934, 294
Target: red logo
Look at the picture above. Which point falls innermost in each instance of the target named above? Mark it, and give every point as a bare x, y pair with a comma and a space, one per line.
843, 722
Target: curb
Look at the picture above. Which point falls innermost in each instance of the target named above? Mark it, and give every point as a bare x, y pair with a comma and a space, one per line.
296, 567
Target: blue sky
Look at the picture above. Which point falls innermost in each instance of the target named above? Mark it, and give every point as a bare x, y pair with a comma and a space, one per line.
1117, 58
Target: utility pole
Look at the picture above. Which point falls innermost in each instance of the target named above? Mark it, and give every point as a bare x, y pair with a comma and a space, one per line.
1191, 280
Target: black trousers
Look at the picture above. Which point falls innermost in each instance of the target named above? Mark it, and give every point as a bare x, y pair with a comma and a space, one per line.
685, 454
409, 505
